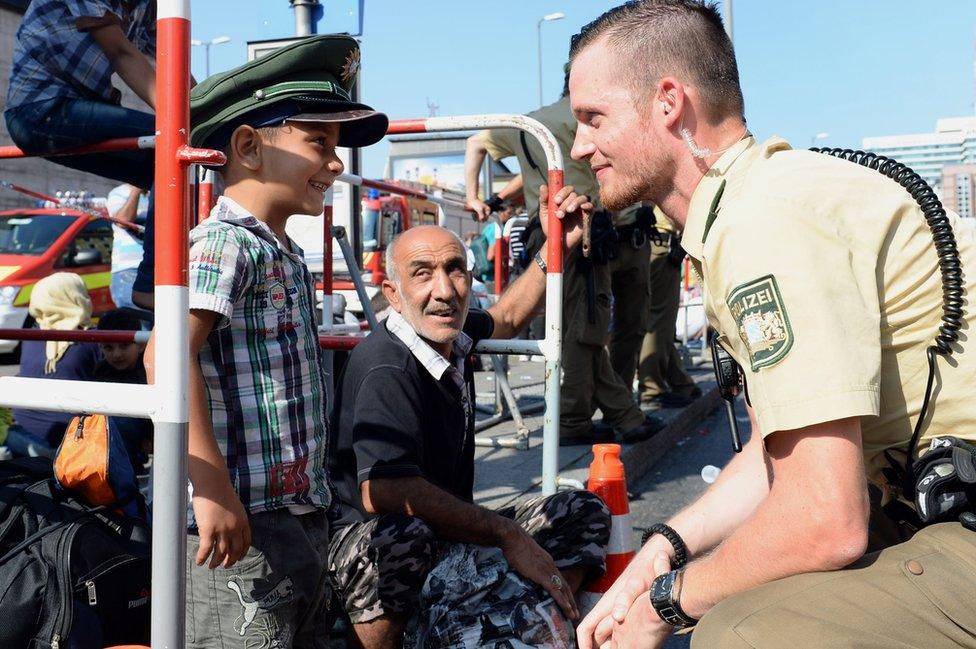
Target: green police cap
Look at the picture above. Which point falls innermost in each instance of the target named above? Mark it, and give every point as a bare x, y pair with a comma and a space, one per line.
307, 81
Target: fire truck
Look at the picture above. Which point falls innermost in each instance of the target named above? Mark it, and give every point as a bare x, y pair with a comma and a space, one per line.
36, 242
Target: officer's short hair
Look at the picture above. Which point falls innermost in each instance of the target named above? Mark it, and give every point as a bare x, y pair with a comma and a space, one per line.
684, 38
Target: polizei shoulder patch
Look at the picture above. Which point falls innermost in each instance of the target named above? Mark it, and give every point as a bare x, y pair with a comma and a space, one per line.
764, 326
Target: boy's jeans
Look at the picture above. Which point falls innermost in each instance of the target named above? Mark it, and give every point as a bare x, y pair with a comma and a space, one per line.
46, 126
278, 595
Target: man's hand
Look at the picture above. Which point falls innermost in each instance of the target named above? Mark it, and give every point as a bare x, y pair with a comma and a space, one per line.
642, 627
225, 534
570, 207
596, 627
532, 562
479, 207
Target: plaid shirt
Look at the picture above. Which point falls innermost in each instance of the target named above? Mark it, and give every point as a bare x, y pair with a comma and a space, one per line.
261, 364
52, 59
432, 360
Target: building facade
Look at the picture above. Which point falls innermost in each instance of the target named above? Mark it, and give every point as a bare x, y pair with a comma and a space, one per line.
35, 173
958, 187
953, 143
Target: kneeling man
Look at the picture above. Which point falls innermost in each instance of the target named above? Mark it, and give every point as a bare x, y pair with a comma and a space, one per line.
403, 444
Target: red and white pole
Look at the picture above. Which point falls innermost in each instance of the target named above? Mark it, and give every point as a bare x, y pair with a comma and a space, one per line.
172, 347
205, 194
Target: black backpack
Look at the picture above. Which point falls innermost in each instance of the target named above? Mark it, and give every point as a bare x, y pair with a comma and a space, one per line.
72, 576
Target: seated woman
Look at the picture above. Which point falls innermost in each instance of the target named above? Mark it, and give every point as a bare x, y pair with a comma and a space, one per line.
58, 302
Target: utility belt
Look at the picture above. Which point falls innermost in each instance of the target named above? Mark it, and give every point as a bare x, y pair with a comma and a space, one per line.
941, 485
642, 230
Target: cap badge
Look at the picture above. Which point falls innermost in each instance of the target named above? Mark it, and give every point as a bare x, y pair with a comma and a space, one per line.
351, 66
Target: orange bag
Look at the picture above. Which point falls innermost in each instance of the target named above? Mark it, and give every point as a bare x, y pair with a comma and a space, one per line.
92, 464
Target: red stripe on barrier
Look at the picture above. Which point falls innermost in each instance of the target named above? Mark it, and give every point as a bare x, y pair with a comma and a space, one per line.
554, 254
205, 200
327, 279
172, 125
117, 144
407, 126
393, 188
347, 343
74, 335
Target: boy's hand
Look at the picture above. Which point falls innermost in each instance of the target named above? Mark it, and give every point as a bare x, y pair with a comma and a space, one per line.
225, 534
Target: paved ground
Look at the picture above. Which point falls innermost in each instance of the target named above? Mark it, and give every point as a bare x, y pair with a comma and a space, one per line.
506, 474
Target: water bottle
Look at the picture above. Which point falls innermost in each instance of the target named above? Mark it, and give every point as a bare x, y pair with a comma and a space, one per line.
709, 473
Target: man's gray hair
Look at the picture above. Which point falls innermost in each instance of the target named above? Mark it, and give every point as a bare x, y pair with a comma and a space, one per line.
653, 39
389, 255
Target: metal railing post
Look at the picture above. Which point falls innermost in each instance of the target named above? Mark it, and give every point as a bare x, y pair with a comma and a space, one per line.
172, 300
551, 347
328, 356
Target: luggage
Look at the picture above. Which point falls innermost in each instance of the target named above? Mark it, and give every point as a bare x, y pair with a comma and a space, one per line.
92, 463
472, 599
72, 576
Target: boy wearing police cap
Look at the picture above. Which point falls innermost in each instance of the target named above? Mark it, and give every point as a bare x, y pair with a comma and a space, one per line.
258, 532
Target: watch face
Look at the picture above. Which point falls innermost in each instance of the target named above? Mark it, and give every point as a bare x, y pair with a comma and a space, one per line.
661, 588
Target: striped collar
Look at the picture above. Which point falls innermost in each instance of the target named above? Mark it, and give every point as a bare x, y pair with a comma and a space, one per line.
429, 357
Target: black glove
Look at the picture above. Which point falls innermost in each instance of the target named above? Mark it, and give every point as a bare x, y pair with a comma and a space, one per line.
945, 484
496, 203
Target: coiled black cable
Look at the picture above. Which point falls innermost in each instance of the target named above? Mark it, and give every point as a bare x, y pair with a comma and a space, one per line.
950, 267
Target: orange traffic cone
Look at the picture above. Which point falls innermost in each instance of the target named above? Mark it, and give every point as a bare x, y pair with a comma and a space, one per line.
608, 482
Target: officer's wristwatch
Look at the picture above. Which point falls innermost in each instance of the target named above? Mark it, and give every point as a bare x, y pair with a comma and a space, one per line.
665, 595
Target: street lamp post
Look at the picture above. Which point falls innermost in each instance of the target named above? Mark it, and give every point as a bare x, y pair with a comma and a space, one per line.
220, 40
547, 18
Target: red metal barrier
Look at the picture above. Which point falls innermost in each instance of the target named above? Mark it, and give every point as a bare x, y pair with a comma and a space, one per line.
339, 342
74, 335
501, 261
122, 336
118, 144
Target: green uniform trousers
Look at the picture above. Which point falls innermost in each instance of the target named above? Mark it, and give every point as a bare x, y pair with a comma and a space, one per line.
588, 380
919, 594
660, 369
631, 288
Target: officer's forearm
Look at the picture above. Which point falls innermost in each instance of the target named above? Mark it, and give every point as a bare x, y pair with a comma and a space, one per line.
729, 501
813, 519
474, 157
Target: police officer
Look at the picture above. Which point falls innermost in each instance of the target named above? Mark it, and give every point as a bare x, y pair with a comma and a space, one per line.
661, 376
589, 381
630, 286
824, 284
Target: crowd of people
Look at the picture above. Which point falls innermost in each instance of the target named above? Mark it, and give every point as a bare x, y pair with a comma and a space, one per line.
301, 509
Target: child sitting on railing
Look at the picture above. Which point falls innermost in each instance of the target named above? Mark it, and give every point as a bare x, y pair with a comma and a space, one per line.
61, 94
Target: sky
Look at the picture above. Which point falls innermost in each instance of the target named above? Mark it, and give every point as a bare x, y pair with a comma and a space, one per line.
848, 68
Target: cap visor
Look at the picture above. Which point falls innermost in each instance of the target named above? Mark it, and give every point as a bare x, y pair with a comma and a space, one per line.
358, 127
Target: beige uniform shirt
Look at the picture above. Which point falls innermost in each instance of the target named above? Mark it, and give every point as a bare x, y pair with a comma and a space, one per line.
558, 118
823, 281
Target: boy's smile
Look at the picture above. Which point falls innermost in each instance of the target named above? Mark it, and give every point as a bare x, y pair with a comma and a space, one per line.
299, 164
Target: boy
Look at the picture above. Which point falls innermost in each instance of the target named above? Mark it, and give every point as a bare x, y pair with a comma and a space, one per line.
257, 437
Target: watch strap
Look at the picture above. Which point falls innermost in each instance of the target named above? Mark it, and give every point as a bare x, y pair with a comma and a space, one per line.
665, 597
541, 262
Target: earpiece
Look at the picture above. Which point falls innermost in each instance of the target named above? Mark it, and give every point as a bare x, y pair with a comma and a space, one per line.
665, 107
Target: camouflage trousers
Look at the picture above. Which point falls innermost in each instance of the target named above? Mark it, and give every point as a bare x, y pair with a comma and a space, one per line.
378, 567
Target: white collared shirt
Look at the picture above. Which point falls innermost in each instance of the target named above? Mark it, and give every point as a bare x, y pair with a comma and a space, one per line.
431, 359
